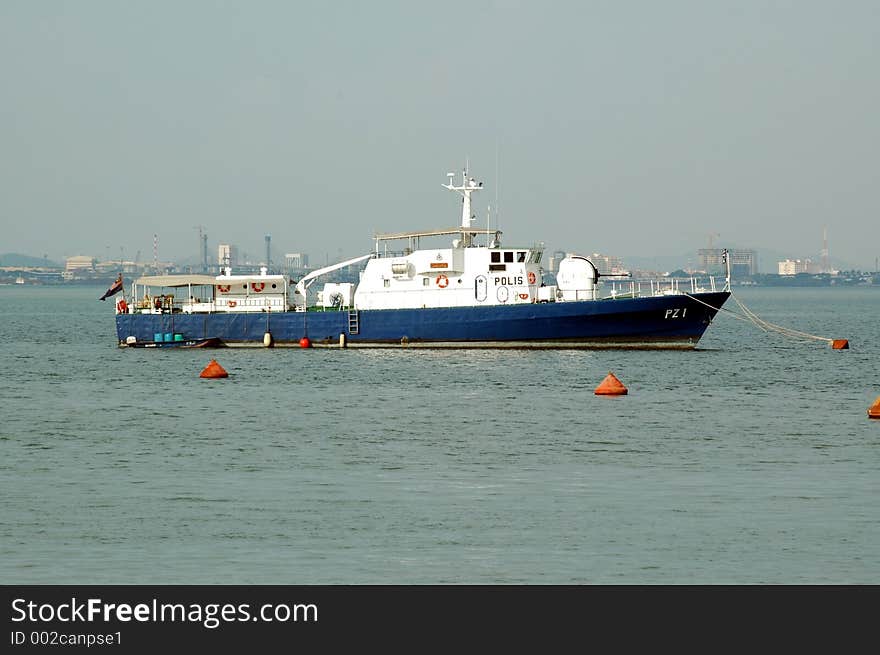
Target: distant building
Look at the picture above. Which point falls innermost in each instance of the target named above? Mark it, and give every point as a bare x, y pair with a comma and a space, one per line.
83, 263
227, 255
79, 266
742, 261
795, 266
119, 265
555, 258
296, 261
608, 264
710, 260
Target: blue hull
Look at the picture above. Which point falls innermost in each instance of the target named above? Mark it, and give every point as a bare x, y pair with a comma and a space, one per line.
189, 343
654, 322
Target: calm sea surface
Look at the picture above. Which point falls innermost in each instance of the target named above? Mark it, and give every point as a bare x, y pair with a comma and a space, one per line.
751, 460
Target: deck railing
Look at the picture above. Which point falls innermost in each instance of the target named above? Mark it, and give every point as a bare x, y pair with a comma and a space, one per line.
658, 287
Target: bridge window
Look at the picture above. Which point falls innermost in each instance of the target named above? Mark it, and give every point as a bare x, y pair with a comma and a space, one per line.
521, 257
496, 257
508, 257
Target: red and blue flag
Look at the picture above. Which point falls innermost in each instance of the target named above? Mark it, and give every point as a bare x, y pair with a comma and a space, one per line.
115, 288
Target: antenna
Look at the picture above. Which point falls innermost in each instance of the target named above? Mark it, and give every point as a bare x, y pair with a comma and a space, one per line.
488, 219
497, 182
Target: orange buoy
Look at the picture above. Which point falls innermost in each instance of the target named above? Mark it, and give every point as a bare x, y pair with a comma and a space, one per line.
840, 344
611, 386
213, 370
305, 342
874, 410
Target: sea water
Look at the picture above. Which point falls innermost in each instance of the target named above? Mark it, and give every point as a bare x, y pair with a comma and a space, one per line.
749, 460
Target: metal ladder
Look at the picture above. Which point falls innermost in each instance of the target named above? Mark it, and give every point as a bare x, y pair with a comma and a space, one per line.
353, 324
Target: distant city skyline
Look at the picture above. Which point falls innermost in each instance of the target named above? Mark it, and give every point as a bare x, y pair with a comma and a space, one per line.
744, 262
643, 130
750, 260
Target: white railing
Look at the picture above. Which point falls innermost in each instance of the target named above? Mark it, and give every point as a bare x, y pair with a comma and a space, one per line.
661, 287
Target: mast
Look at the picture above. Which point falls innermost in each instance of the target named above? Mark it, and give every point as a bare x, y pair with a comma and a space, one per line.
468, 186
725, 256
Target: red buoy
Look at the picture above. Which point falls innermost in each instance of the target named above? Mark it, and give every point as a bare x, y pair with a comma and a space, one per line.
611, 386
840, 344
874, 410
213, 370
305, 342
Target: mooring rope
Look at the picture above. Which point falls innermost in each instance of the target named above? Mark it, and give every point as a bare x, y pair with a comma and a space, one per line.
766, 326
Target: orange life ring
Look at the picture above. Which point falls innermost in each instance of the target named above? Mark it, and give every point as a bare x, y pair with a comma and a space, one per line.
532, 278
231, 303
122, 306
524, 296
223, 288
258, 286
442, 281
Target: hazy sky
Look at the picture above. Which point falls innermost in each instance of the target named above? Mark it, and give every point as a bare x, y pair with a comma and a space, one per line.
629, 128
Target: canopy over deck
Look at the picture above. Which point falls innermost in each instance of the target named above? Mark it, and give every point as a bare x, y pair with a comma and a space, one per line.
176, 280
430, 233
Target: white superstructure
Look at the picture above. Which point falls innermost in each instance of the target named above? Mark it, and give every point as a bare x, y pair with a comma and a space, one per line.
451, 277
465, 274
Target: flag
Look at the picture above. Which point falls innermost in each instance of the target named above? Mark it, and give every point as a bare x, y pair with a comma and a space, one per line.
115, 288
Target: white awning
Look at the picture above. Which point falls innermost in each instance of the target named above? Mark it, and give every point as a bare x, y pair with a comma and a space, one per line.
176, 280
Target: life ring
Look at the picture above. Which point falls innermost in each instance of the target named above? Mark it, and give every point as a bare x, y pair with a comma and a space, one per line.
223, 288
258, 286
524, 296
532, 278
122, 306
231, 303
442, 281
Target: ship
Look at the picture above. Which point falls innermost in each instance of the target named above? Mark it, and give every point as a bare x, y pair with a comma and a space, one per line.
467, 291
